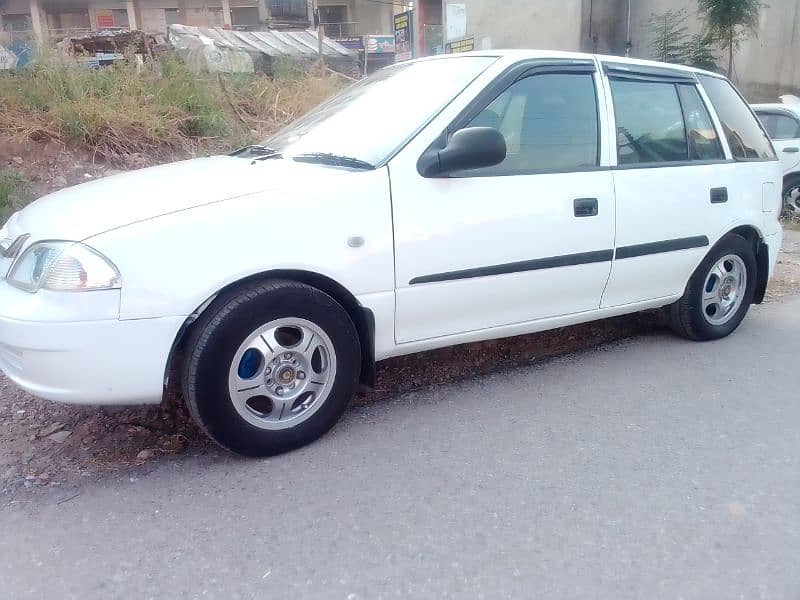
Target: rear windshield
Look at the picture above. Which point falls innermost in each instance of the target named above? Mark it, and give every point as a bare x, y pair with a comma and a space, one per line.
745, 135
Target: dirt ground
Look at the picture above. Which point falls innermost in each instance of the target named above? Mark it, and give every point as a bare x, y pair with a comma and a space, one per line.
51, 165
43, 444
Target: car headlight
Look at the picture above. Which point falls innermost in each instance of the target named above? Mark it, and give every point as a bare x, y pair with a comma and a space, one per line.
63, 266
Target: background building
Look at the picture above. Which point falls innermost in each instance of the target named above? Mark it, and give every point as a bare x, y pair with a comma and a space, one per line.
53, 18
766, 64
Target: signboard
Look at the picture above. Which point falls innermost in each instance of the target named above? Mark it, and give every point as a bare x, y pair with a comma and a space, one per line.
465, 45
104, 18
456, 19
404, 36
380, 44
354, 43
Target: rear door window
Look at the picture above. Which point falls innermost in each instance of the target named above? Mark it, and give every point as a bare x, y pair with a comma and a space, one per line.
745, 136
650, 126
701, 135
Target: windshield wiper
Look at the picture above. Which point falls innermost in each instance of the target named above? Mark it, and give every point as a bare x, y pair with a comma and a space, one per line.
335, 160
256, 150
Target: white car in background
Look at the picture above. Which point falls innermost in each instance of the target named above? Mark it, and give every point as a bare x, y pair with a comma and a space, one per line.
441, 201
782, 122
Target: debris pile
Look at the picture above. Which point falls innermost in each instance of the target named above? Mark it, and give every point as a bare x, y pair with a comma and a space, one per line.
100, 48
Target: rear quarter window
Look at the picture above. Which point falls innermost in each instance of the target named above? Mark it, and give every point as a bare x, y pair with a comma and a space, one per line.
744, 133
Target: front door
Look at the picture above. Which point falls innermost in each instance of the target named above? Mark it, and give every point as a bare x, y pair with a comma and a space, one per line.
527, 239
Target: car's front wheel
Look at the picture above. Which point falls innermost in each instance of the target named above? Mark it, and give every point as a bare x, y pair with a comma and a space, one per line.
719, 292
271, 367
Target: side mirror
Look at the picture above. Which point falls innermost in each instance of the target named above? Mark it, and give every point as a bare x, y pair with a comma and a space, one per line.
470, 148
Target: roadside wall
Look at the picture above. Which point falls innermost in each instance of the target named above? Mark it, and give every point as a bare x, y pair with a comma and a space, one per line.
551, 24
765, 66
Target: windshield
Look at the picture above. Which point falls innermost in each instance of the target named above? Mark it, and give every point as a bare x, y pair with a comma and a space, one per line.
372, 118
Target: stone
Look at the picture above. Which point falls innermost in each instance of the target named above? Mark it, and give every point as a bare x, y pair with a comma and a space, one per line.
59, 436
145, 454
52, 428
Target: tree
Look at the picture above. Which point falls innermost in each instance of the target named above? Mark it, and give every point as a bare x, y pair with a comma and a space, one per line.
700, 52
671, 41
669, 36
730, 22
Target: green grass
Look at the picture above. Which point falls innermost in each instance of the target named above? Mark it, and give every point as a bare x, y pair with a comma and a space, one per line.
15, 192
162, 111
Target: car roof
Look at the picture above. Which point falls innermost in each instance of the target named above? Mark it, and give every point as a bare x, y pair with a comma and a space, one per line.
522, 54
778, 107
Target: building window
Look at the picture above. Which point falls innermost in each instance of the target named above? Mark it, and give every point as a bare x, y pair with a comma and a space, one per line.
333, 14
288, 9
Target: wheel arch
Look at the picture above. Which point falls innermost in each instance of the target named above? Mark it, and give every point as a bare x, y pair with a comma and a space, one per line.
790, 178
362, 317
761, 252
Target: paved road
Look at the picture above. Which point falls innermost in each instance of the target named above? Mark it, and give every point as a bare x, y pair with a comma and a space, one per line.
652, 468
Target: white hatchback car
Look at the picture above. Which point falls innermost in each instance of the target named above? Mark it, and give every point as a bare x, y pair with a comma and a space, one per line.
440, 201
782, 122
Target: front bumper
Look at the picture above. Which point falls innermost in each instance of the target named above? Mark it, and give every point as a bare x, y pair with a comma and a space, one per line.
51, 347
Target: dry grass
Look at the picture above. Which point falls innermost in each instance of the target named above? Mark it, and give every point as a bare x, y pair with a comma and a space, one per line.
161, 113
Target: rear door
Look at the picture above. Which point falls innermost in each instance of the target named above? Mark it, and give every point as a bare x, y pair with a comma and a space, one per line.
670, 189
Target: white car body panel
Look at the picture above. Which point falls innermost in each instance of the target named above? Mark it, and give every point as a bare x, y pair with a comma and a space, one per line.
180, 233
656, 204
283, 229
443, 225
78, 212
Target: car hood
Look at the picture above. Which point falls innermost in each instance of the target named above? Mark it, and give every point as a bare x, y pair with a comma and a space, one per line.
94, 207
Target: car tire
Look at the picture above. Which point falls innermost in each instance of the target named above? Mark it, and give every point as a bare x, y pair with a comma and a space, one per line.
716, 298
791, 197
230, 345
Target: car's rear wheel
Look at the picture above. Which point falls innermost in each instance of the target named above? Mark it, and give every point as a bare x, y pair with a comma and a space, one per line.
271, 367
719, 293
791, 197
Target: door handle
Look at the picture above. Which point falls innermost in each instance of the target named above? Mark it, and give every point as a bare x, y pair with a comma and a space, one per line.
585, 207
791, 150
719, 195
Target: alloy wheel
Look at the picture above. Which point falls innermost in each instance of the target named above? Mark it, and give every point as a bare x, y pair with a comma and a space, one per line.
724, 289
282, 373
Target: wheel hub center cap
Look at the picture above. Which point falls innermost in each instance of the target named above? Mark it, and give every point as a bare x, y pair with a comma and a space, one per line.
726, 289
286, 375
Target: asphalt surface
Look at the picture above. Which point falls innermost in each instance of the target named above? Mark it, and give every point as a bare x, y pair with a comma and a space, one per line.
652, 468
